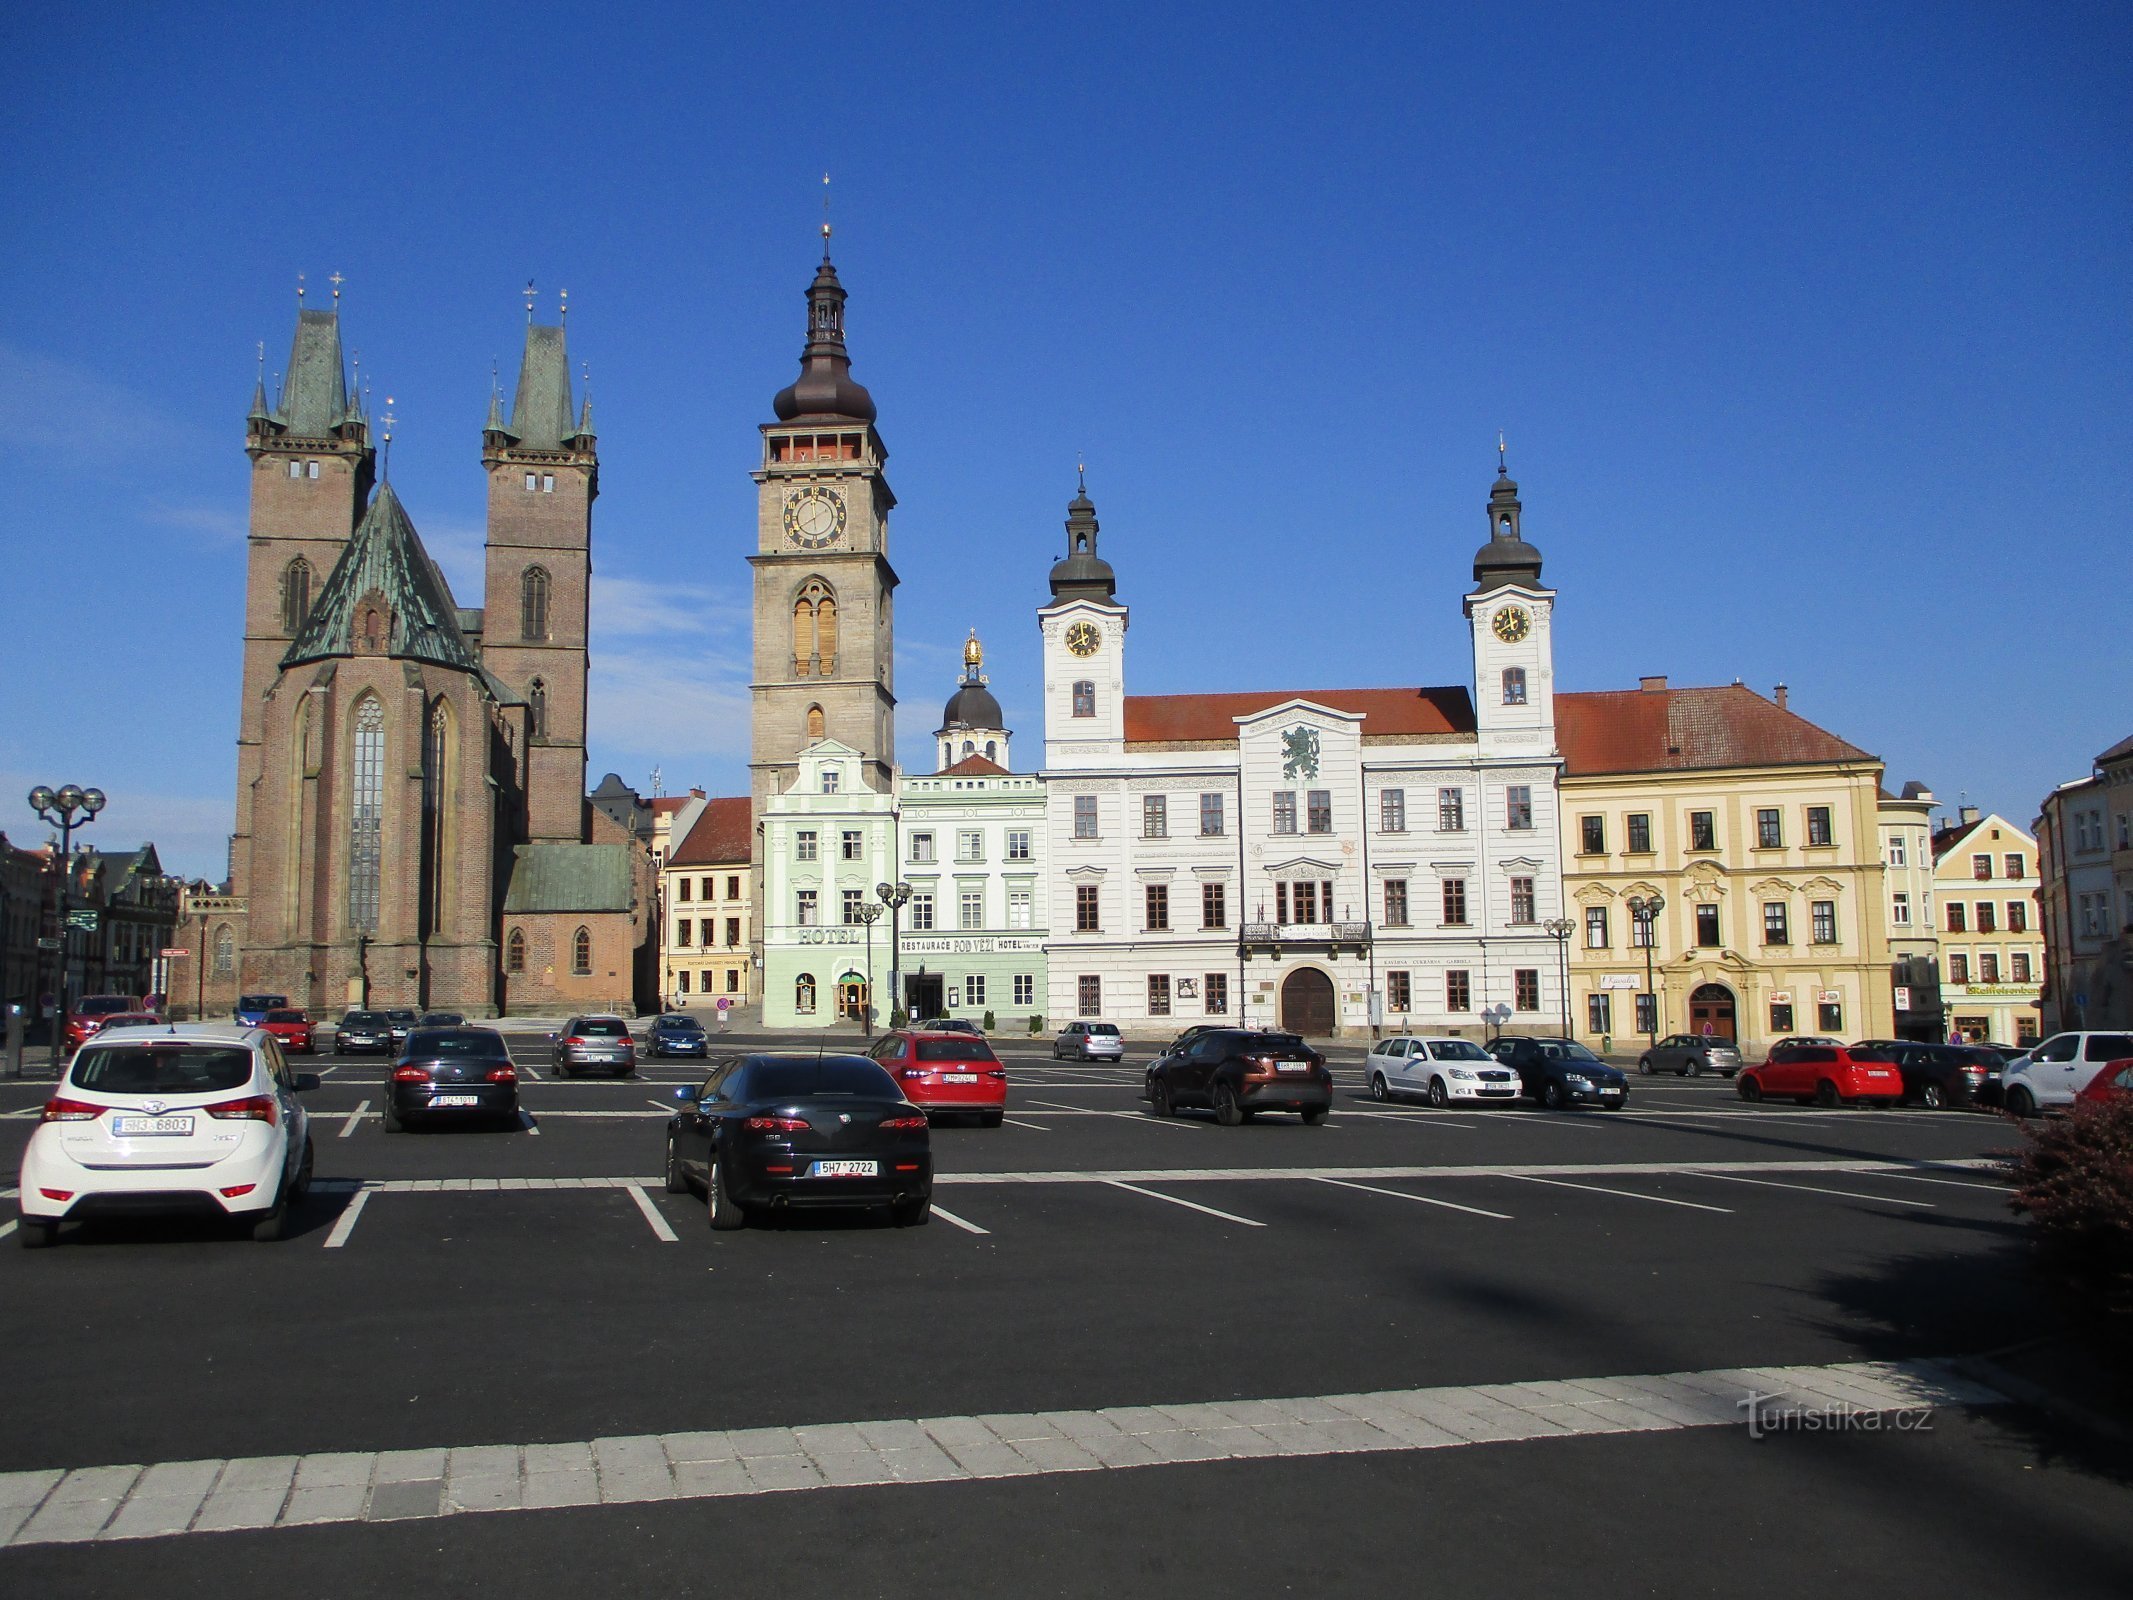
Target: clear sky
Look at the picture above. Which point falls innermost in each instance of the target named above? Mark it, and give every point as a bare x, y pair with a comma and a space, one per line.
1808, 327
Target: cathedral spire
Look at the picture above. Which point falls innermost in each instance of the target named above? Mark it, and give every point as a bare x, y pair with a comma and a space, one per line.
541, 410
314, 393
825, 387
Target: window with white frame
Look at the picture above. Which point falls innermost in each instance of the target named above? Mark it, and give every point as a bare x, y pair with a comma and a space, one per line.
1596, 928
970, 908
1900, 910
1518, 806
1211, 815
1451, 811
1284, 811
1085, 816
1392, 811
806, 845
1155, 816
1018, 844
922, 910
1019, 906
1025, 989
852, 900
974, 989
922, 847
969, 844
807, 907
854, 845
1599, 1013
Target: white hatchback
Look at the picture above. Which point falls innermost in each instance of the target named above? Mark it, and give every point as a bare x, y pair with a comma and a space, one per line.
2058, 1069
202, 1118
1441, 1070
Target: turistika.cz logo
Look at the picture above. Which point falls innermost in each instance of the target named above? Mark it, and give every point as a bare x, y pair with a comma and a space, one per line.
1776, 1413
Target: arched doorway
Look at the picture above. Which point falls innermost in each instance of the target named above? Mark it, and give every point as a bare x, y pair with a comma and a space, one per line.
1307, 1002
851, 996
1712, 1003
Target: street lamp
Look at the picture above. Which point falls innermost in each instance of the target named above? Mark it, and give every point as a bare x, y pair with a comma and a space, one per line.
58, 808
894, 896
869, 915
1560, 929
1643, 909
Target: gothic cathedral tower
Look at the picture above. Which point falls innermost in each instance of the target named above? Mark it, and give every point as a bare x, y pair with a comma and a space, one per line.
824, 664
544, 473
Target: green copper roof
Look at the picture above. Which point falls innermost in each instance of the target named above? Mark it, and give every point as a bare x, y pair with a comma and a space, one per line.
314, 394
540, 414
385, 557
569, 877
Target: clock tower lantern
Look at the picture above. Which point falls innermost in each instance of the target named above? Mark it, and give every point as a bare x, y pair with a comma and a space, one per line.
1511, 615
824, 665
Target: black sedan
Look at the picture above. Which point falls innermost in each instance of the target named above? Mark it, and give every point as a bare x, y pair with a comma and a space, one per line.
1237, 1071
451, 1072
778, 1133
676, 1034
1561, 1072
1940, 1075
363, 1030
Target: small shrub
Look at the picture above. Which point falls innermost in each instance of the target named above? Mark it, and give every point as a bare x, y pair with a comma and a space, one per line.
1036, 1024
2073, 1179
898, 1018
988, 1024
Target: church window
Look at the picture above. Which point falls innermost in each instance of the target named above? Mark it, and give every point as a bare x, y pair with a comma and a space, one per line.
1514, 686
581, 953
533, 604
992, 750
1084, 698
225, 952
366, 817
814, 631
295, 595
803, 994
815, 723
515, 951
537, 707
533, 482
547, 483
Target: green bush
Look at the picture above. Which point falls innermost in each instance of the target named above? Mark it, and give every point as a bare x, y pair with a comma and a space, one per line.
988, 1024
2073, 1179
898, 1018
1036, 1024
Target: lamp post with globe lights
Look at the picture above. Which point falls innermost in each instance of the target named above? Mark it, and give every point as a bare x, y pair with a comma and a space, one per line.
1643, 910
868, 914
1559, 929
894, 896
58, 807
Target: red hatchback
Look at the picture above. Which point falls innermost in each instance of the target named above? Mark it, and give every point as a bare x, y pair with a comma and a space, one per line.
946, 1073
2114, 1082
292, 1029
1824, 1074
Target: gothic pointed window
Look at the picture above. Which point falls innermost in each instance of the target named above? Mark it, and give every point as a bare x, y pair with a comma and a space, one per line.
533, 604
537, 709
295, 596
436, 815
814, 630
225, 952
515, 951
581, 953
366, 816
814, 722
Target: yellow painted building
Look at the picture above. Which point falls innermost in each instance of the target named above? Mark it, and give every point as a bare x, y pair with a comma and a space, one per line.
1759, 834
707, 907
1991, 929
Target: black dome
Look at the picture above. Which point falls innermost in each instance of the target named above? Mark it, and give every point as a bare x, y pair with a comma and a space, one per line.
972, 706
825, 387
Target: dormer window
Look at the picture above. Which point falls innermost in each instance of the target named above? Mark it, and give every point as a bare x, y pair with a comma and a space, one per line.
829, 780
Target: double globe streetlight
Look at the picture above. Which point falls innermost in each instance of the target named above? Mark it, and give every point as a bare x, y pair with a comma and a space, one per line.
1560, 929
1643, 909
868, 914
894, 896
58, 807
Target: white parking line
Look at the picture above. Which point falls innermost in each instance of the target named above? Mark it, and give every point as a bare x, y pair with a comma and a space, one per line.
1130, 1116
1189, 1205
7, 1228
1422, 1199
343, 1227
354, 1117
665, 1105
1427, 1119
1036, 1127
526, 1122
651, 1215
1626, 1194
1809, 1188
1952, 1183
949, 1216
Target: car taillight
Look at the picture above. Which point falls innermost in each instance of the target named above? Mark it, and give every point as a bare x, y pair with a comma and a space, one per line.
254, 1108
410, 1075
918, 1121
59, 1110
503, 1074
911, 1072
573, 1039
777, 1124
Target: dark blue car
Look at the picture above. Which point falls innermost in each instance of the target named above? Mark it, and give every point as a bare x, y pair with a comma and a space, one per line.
1561, 1072
676, 1034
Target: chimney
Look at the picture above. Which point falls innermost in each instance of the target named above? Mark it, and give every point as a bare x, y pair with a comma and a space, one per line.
1653, 685
1781, 697
1968, 814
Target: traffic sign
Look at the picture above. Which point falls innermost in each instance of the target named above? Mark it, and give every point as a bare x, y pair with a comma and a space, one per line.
2081, 1000
172, 952
82, 921
48, 943
723, 1002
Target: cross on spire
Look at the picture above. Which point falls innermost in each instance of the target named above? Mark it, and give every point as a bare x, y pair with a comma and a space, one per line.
385, 455
336, 280
299, 288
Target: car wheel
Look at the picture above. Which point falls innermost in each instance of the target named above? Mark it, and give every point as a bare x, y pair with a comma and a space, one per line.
1229, 1111
677, 1180
1551, 1096
726, 1212
1826, 1094
1159, 1101
1644, 1065
1932, 1097
1378, 1090
915, 1214
38, 1233
1439, 1096
273, 1224
1693, 1067
1312, 1115
1748, 1089
390, 1116
2021, 1103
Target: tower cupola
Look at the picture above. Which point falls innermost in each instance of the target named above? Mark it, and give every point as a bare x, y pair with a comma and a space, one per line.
1506, 558
825, 387
1082, 573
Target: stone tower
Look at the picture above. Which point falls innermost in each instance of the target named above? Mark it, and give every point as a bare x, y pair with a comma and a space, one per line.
312, 467
824, 638
544, 473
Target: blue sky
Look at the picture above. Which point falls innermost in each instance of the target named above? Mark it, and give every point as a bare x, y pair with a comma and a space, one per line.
1808, 327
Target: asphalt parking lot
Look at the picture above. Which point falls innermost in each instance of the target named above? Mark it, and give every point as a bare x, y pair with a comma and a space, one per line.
1503, 1319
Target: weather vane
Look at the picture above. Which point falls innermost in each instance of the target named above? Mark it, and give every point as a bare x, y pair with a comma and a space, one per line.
529, 299
299, 288
825, 216
385, 456
336, 280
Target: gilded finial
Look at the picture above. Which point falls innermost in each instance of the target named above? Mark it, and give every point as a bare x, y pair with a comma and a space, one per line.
563, 299
1503, 468
1081, 473
336, 280
973, 652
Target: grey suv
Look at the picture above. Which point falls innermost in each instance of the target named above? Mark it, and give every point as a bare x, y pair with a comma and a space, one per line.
1690, 1055
590, 1043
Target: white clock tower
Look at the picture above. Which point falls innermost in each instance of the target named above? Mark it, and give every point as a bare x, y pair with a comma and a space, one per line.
1084, 652
1511, 615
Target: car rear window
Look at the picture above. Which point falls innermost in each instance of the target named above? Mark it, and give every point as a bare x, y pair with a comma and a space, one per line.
845, 1075
1270, 1041
364, 1019
261, 1002
955, 1050
162, 1069
1109, 1029
601, 1028
456, 1042
102, 1005
285, 1016
1872, 1052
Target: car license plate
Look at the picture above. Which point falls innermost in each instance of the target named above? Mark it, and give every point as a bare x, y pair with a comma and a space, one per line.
1292, 1066
959, 1077
841, 1169
1611, 1094
455, 1099
138, 1127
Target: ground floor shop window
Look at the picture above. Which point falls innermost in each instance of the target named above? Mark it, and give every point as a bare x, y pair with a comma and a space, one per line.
1599, 1013
1025, 989
1781, 1016
1526, 989
1829, 1016
1216, 987
803, 994
1158, 994
1647, 1013
1399, 995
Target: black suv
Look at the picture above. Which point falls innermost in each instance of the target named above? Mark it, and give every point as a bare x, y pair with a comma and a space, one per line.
1561, 1072
1236, 1071
1938, 1075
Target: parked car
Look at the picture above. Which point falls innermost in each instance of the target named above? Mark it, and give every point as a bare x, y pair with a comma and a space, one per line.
2057, 1070
365, 1031
676, 1034
441, 1019
203, 1118
950, 1025
1823, 1074
589, 1042
1561, 1072
133, 1019
108, 1005
1089, 1041
82, 1026
942, 1073
785, 1132
1691, 1055
291, 1030
451, 1072
1236, 1072
252, 1009
400, 1021
1938, 1075
1442, 1070
2114, 1082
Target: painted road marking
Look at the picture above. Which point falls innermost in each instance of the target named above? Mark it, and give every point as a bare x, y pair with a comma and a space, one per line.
183, 1499
345, 1224
651, 1215
1952, 1183
7, 1228
949, 1216
354, 1117
1423, 1199
1189, 1205
1131, 1116
1626, 1194
526, 1122
1428, 1119
1809, 1188
1034, 1127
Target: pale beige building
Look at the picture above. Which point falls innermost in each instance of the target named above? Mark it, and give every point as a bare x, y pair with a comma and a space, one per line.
1991, 929
707, 906
1758, 831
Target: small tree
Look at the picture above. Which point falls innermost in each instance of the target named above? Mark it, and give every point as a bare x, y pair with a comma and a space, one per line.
1036, 1024
989, 1024
2073, 1179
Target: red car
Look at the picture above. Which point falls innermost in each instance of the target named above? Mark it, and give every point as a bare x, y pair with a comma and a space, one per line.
92, 1011
1824, 1074
944, 1073
2114, 1082
292, 1029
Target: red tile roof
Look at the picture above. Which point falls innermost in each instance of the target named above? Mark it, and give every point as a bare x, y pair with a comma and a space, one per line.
1178, 718
724, 834
1671, 730
973, 767
665, 805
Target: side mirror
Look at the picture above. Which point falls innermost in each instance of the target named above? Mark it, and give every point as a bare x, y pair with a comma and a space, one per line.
551, 1038
305, 1081
685, 1094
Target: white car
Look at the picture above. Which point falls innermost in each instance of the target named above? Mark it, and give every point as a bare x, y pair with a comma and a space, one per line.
1090, 1041
2058, 1069
201, 1118
1442, 1070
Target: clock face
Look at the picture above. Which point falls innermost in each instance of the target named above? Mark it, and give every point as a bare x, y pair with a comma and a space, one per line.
1082, 638
814, 517
1511, 624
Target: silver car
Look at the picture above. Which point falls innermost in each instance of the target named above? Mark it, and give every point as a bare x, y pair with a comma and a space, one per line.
1690, 1055
1089, 1041
595, 1044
